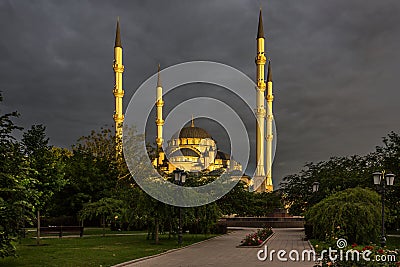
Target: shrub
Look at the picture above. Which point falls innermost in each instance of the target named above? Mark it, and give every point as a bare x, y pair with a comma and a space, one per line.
353, 214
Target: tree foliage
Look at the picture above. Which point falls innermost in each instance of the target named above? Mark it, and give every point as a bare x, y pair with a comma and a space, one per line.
45, 163
15, 207
388, 156
334, 175
353, 214
12, 192
340, 173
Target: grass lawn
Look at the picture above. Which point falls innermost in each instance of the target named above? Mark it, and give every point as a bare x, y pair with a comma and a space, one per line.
393, 242
99, 231
31, 232
91, 250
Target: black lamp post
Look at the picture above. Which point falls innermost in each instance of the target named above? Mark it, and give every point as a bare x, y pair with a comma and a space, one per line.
180, 177
381, 180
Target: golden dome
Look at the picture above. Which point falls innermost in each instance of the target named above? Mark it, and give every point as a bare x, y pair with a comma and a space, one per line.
193, 132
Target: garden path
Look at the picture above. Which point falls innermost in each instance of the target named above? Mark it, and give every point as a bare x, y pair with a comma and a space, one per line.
223, 251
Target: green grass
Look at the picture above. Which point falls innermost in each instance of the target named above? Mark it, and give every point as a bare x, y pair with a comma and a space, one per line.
99, 231
31, 232
393, 242
90, 251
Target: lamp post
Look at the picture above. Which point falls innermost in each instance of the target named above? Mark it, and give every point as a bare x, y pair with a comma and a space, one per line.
179, 178
381, 180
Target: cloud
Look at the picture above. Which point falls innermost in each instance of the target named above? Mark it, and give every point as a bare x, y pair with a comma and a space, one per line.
335, 64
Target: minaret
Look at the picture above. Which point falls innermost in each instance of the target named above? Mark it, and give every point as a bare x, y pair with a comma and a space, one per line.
159, 120
270, 117
260, 111
118, 91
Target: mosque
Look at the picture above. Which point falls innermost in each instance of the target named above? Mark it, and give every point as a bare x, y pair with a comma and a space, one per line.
193, 148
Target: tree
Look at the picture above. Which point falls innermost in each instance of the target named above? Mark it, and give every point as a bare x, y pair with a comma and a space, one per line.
334, 175
14, 197
107, 208
340, 173
46, 168
92, 172
387, 157
241, 202
353, 214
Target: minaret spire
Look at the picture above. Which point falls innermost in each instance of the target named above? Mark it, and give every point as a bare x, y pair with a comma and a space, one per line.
259, 177
158, 76
260, 33
269, 138
118, 92
269, 76
159, 120
192, 121
159, 105
118, 36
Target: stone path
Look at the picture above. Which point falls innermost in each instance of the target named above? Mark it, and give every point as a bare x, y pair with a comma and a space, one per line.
222, 251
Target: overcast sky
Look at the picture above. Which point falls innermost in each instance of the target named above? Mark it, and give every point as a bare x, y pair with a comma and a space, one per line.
335, 64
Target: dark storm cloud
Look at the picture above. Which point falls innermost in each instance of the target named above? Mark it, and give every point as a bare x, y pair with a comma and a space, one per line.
335, 64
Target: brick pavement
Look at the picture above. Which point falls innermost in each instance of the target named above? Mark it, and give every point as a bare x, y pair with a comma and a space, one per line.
222, 251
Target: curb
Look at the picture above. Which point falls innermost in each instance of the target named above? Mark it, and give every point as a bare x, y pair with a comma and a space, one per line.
166, 252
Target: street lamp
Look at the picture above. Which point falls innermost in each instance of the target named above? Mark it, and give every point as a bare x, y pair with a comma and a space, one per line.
315, 187
180, 178
381, 181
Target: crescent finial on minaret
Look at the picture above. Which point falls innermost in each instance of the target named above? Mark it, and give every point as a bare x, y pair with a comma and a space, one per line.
260, 26
269, 75
118, 36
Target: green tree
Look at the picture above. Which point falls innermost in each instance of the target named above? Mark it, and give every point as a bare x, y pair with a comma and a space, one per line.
387, 157
15, 206
107, 208
240, 201
92, 172
340, 173
47, 168
353, 214
334, 175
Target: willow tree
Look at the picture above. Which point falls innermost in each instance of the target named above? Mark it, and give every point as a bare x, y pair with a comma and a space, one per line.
353, 214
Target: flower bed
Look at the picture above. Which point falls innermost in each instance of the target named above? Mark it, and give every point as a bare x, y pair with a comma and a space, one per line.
257, 238
378, 257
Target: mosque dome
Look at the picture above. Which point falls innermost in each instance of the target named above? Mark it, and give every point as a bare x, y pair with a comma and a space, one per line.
193, 132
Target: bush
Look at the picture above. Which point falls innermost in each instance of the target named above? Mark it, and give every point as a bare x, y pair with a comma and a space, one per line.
353, 214
308, 230
220, 227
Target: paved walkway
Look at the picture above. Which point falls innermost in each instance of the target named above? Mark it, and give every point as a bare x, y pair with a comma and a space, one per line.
222, 251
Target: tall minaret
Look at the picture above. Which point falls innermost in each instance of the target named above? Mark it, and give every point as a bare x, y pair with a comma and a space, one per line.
159, 120
260, 112
118, 91
270, 117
